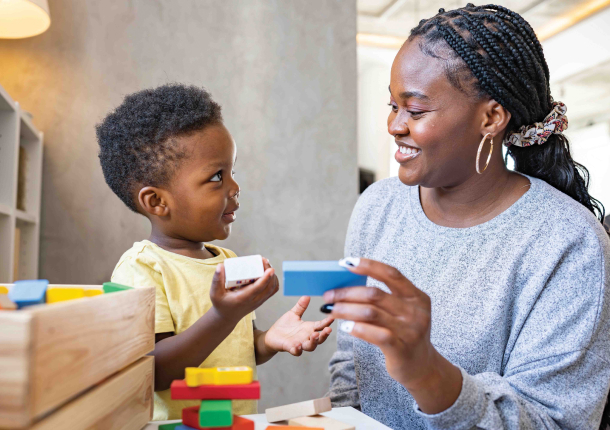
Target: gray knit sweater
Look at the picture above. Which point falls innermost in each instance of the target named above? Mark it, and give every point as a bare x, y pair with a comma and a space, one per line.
519, 303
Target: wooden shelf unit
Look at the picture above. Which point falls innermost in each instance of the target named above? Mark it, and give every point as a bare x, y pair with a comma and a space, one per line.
20, 189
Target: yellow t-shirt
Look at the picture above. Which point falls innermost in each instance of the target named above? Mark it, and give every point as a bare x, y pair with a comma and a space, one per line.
183, 296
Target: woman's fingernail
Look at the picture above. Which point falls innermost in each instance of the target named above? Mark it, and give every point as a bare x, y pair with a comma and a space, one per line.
329, 296
349, 262
347, 326
327, 308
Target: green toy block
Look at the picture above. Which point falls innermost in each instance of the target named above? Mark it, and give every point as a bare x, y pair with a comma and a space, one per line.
170, 426
216, 413
111, 287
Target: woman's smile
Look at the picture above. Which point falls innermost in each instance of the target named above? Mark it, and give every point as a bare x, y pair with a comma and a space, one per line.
406, 153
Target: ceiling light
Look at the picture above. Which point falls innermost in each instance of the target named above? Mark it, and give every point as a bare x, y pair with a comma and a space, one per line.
23, 18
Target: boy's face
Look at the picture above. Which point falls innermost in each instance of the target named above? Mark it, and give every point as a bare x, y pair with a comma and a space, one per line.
203, 193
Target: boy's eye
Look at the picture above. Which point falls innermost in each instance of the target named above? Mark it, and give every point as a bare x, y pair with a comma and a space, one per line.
217, 177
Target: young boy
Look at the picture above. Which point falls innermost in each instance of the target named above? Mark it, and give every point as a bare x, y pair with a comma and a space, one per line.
167, 155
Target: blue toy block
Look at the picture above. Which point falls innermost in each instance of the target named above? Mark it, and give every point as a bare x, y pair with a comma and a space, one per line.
313, 278
183, 427
28, 293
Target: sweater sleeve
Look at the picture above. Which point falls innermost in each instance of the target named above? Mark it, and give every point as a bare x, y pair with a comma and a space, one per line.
557, 374
343, 381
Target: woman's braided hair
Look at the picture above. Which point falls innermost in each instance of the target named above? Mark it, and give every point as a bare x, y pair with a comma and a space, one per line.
496, 53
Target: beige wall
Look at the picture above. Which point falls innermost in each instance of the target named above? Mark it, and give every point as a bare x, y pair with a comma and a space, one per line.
285, 74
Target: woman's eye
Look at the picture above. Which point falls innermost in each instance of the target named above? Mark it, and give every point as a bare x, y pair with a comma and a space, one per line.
217, 177
415, 114
393, 106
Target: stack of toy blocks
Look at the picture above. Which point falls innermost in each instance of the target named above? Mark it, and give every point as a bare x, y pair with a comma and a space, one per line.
216, 388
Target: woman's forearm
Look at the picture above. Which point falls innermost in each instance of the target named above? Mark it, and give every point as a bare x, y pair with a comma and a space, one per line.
189, 348
437, 389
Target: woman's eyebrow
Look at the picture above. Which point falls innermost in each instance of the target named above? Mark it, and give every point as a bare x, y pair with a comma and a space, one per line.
410, 94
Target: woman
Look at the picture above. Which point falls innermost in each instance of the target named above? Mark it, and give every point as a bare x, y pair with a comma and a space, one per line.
492, 307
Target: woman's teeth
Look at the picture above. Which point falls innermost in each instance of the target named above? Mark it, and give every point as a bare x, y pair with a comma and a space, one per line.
405, 150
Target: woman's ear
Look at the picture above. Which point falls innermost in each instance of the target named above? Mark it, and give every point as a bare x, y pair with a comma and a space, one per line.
495, 118
154, 201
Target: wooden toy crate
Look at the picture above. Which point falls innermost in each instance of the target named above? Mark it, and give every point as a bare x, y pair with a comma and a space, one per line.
51, 353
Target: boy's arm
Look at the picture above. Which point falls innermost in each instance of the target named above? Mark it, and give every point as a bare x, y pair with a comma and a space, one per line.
173, 353
263, 354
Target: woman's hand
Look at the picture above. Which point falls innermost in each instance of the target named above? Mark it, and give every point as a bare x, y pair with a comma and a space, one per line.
290, 333
399, 324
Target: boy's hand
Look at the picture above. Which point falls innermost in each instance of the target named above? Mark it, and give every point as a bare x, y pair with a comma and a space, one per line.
290, 333
233, 305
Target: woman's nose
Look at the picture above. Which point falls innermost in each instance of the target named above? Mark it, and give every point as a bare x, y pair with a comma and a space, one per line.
397, 126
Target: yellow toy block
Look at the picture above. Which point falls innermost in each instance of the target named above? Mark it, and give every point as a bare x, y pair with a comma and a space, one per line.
233, 375
58, 294
195, 376
3, 289
93, 292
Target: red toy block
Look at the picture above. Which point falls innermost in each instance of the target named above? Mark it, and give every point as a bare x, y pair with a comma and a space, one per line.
190, 418
180, 391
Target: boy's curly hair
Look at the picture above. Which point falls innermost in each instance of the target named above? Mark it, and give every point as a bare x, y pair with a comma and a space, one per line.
137, 145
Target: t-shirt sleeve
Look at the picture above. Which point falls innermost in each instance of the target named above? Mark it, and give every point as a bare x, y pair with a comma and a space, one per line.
136, 273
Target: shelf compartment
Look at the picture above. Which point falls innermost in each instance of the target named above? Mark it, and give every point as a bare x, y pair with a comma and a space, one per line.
7, 241
9, 142
26, 250
29, 168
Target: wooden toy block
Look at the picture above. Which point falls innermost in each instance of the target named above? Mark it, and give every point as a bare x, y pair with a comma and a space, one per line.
172, 426
112, 287
6, 303
320, 421
216, 413
58, 294
190, 418
28, 293
3, 289
293, 428
180, 391
241, 271
313, 278
296, 410
195, 376
90, 292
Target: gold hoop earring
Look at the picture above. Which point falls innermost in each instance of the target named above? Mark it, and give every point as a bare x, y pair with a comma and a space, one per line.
491, 140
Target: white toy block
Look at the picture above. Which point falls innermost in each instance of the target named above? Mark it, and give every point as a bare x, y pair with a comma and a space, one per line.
242, 271
296, 410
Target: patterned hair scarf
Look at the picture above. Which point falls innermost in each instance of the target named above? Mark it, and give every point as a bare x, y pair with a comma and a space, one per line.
554, 123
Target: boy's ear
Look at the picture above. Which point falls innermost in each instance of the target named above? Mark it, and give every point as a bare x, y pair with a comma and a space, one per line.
153, 201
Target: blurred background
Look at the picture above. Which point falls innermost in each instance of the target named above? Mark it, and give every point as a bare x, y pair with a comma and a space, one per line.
303, 85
